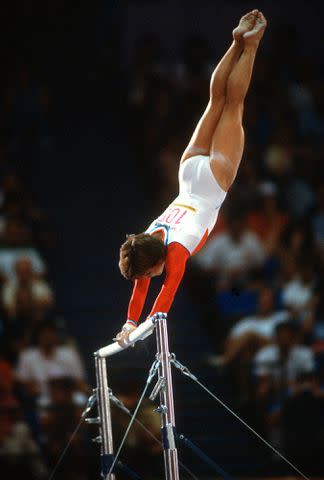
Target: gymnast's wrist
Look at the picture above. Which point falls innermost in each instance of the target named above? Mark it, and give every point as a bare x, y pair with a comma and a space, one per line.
131, 323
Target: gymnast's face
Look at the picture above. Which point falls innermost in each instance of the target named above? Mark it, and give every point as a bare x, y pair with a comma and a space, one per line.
155, 271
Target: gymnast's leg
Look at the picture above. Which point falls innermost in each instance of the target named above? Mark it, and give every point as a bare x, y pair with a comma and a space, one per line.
228, 139
200, 143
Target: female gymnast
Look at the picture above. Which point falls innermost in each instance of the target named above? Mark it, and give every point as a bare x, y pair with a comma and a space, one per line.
207, 169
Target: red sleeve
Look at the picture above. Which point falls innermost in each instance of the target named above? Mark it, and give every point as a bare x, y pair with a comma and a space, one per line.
138, 297
175, 266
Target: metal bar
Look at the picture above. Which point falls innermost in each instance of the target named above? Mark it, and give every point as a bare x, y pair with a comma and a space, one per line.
166, 408
140, 333
107, 448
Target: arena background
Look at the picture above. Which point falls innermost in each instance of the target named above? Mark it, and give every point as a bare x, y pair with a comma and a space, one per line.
98, 100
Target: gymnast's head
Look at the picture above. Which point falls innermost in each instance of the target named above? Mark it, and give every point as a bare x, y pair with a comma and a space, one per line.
142, 255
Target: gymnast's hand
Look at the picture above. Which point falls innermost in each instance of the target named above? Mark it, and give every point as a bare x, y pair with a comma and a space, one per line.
123, 336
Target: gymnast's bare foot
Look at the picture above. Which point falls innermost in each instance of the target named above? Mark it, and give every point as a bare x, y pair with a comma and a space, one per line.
246, 24
253, 37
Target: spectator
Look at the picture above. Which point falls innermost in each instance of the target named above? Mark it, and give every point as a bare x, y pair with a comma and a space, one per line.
18, 450
298, 185
17, 244
284, 361
232, 255
252, 333
58, 421
298, 294
317, 220
46, 361
268, 219
277, 369
296, 241
278, 155
26, 298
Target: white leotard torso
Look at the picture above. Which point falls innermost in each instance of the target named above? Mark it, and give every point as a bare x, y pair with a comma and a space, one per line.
193, 214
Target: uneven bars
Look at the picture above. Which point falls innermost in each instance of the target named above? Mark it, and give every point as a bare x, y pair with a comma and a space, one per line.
140, 333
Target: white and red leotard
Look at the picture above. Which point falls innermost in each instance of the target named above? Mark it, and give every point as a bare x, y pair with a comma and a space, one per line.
185, 226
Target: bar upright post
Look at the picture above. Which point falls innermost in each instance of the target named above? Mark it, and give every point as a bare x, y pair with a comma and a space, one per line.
103, 400
166, 408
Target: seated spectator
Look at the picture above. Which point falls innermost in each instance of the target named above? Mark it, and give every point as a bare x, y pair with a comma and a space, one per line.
318, 324
278, 154
299, 186
284, 361
298, 294
26, 298
17, 204
17, 244
296, 241
317, 220
46, 361
16, 232
278, 368
18, 450
58, 420
253, 332
268, 220
233, 254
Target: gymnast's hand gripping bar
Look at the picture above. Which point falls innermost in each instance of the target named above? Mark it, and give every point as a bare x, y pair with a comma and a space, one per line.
140, 333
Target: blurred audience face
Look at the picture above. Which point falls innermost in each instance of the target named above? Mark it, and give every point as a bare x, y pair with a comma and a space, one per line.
6, 377
266, 301
236, 227
61, 391
24, 270
47, 338
285, 336
306, 273
24, 302
16, 232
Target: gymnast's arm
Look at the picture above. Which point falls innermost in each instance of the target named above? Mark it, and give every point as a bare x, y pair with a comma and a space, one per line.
137, 300
175, 266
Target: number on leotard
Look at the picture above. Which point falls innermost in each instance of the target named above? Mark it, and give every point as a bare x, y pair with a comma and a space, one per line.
173, 215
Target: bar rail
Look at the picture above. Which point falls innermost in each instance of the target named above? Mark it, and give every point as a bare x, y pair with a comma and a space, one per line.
140, 333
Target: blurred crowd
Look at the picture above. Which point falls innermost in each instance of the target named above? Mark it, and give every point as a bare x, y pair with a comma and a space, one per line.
258, 280
43, 386
257, 283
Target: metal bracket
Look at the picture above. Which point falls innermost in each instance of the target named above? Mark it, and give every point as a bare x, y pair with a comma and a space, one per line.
162, 410
160, 385
91, 421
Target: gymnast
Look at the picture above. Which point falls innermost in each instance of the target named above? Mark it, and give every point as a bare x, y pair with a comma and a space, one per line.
207, 169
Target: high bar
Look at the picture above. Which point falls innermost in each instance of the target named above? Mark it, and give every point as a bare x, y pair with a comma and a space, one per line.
140, 333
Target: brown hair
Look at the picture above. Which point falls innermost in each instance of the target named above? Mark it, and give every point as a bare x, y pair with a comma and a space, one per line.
140, 253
